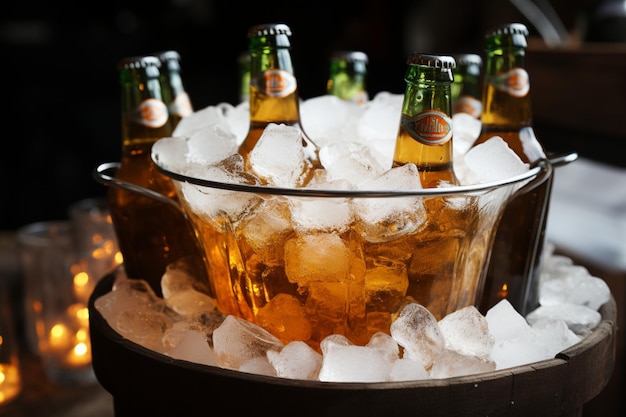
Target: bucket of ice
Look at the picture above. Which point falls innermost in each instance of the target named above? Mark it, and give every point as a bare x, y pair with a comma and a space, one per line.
343, 254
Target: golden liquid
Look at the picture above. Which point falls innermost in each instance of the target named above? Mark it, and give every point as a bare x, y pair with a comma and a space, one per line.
151, 234
434, 162
311, 284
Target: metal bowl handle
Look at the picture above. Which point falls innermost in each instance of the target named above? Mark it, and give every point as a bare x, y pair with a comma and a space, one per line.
104, 174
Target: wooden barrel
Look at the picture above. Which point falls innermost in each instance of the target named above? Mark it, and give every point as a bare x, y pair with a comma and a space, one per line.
146, 383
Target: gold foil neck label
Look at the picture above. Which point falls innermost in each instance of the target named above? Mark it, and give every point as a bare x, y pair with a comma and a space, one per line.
430, 127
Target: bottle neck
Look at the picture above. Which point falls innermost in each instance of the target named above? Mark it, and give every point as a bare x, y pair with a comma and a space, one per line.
506, 89
425, 133
427, 88
347, 83
273, 87
174, 95
145, 116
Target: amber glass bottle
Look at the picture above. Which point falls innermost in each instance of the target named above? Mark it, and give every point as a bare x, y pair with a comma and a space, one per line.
425, 133
150, 234
347, 78
273, 86
517, 253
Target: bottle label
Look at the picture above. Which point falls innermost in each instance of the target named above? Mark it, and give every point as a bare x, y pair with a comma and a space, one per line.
469, 105
151, 113
430, 127
181, 106
276, 83
361, 97
514, 82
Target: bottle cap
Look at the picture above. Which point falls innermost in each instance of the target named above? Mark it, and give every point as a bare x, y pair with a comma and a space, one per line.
269, 29
349, 56
468, 59
436, 61
136, 62
508, 29
171, 59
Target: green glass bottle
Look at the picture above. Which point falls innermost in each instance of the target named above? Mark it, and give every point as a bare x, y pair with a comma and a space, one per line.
516, 258
467, 85
348, 76
425, 132
150, 234
172, 87
273, 87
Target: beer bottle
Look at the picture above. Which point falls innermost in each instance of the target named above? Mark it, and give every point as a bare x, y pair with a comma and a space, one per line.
172, 88
347, 76
243, 65
425, 133
273, 86
514, 268
467, 85
150, 234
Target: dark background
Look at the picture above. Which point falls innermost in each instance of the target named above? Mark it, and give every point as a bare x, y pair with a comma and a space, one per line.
60, 81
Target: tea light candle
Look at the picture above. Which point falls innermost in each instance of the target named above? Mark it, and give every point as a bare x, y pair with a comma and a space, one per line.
10, 382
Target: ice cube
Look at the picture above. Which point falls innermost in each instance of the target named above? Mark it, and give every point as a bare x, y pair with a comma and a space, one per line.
452, 363
405, 369
237, 340
580, 319
278, 157
296, 360
211, 144
199, 119
328, 119
466, 331
325, 214
349, 161
186, 343
213, 203
354, 363
320, 257
417, 331
383, 219
493, 160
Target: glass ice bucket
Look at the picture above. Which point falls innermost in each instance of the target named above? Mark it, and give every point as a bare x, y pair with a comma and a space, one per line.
305, 263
